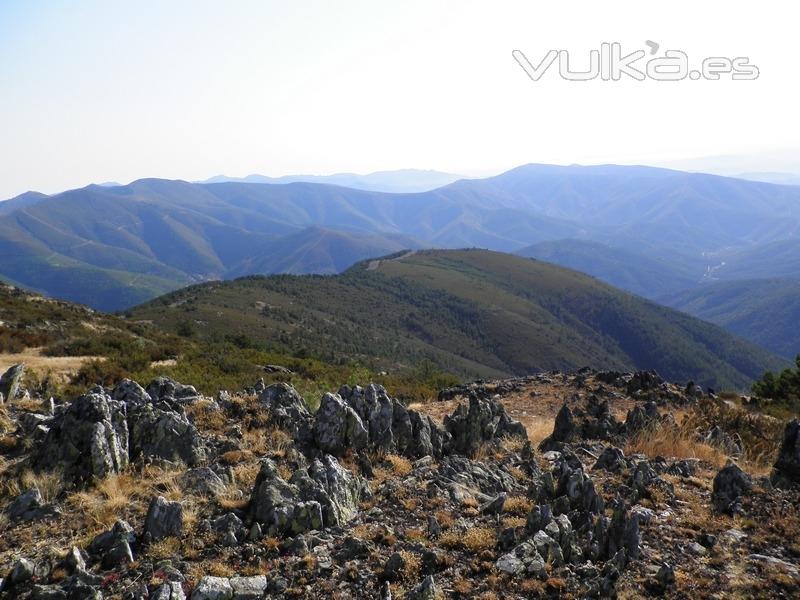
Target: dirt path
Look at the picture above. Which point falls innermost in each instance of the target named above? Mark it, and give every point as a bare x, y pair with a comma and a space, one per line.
375, 264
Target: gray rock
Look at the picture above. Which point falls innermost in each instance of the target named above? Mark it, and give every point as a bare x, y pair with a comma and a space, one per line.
729, 486
288, 410
21, 572
74, 560
611, 459
248, 588
164, 519
10, 380
213, 588
203, 481
88, 441
787, 467
323, 495
170, 391
338, 427
426, 590
165, 434
510, 564
776, 563
29, 506
168, 591
485, 421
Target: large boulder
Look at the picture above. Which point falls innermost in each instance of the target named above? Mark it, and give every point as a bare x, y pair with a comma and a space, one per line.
10, 380
787, 467
730, 484
165, 434
164, 519
323, 495
288, 410
483, 422
338, 428
89, 440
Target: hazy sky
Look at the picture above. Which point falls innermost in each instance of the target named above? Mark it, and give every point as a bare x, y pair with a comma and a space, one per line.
104, 90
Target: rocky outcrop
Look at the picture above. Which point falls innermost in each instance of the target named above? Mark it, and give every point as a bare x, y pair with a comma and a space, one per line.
100, 433
288, 410
164, 434
338, 428
324, 494
482, 422
113, 548
9, 382
787, 467
89, 440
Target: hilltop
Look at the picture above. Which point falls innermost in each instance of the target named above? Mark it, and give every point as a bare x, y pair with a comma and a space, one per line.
470, 312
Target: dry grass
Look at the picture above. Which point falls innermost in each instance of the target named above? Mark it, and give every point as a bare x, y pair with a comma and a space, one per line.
167, 548
517, 505
412, 566
246, 473
234, 457
513, 522
474, 539
674, 442
445, 519
400, 465
207, 417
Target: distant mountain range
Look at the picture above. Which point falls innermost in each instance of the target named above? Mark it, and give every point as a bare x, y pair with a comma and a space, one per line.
651, 231
400, 181
476, 313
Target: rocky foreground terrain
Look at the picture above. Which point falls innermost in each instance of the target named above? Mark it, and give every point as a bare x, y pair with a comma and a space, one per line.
558, 485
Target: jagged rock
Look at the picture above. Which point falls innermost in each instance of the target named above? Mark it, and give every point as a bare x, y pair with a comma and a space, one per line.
337, 427
29, 506
323, 495
168, 591
621, 532
277, 369
460, 476
576, 488
113, 547
213, 588
483, 422
564, 429
131, 393
165, 434
393, 428
288, 410
170, 391
88, 441
164, 519
10, 380
510, 564
729, 485
203, 481
424, 591
644, 381
641, 418
787, 467
611, 459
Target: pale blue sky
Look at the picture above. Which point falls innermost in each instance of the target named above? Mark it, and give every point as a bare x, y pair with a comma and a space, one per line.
111, 90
